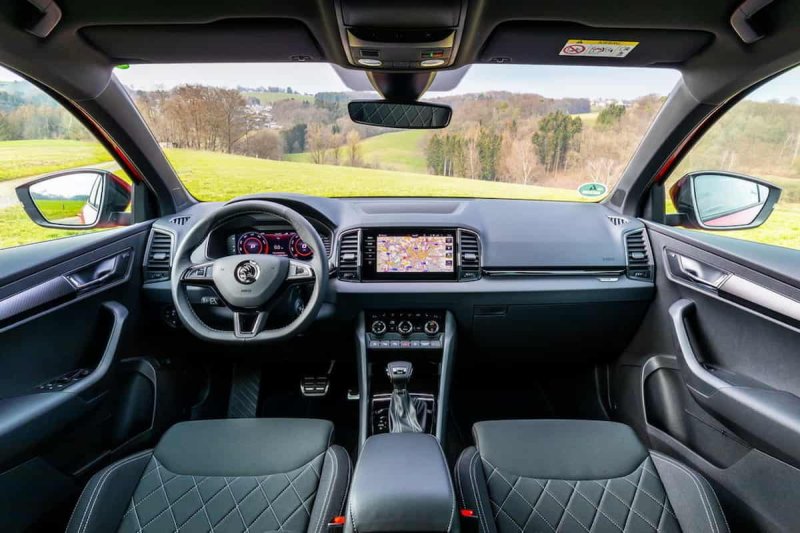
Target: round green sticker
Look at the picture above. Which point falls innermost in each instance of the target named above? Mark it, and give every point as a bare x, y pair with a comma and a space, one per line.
592, 190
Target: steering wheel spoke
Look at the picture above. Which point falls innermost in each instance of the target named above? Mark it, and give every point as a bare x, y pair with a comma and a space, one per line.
201, 274
299, 272
247, 325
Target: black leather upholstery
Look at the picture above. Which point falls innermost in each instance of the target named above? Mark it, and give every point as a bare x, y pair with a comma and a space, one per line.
402, 483
579, 476
222, 475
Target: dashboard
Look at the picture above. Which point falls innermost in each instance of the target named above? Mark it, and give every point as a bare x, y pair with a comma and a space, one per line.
522, 275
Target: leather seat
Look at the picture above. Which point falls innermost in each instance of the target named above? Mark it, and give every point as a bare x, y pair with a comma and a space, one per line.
222, 475
579, 476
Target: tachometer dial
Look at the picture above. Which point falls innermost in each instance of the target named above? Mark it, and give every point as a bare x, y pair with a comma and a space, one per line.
253, 243
299, 248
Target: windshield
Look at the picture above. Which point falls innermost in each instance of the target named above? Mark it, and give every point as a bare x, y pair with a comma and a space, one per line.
527, 132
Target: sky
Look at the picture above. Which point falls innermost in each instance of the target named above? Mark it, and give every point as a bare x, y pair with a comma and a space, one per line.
549, 81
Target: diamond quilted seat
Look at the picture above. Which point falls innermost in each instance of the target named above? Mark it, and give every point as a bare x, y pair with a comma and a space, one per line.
579, 476
253, 475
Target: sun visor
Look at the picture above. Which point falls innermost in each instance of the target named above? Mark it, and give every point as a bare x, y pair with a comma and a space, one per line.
541, 43
222, 41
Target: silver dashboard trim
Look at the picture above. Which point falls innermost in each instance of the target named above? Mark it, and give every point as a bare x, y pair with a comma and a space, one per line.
540, 272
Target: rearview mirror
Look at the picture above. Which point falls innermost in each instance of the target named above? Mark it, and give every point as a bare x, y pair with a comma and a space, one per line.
77, 199
722, 200
412, 115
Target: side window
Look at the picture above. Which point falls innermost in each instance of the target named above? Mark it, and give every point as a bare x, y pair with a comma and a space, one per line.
39, 138
757, 138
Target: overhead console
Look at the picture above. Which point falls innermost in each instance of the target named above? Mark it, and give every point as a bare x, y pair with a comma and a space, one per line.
409, 254
414, 35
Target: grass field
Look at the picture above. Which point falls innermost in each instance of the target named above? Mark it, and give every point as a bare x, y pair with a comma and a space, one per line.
266, 97
402, 151
19, 159
214, 176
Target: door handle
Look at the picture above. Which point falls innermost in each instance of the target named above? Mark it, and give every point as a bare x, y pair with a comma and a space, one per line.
696, 271
101, 272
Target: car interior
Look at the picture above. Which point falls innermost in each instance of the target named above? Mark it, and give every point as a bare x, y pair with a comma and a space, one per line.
284, 361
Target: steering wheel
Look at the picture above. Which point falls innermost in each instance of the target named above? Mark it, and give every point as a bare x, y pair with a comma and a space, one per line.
250, 285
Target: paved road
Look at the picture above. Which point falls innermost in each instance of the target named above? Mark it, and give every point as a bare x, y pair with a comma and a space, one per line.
8, 197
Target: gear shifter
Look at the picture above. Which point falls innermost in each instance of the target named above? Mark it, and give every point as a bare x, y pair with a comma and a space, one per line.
406, 415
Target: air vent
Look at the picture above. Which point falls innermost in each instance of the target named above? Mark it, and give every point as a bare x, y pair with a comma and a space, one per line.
179, 221
348, 256
637, 252
326, 242
617, 221
470, 256
159, 253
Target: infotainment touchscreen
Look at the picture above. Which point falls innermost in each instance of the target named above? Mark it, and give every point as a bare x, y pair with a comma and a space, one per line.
395, 254
414, 254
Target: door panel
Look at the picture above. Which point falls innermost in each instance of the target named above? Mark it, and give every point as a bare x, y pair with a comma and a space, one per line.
67, 317
713, 375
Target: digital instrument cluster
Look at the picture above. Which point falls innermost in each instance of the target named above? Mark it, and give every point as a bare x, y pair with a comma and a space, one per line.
284, 243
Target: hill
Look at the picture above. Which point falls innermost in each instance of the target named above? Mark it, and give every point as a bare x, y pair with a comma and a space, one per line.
402, 151
266, 97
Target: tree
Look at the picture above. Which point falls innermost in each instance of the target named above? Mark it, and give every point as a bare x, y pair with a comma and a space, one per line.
434, 154
353, 148
294, 138
265, 144
489, 144
317, 142
610, 115
554, 139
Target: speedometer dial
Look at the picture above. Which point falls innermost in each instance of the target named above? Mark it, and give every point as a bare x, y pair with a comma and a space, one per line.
299, 248
252, 243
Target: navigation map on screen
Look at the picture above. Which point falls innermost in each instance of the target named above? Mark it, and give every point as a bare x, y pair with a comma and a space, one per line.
415, 253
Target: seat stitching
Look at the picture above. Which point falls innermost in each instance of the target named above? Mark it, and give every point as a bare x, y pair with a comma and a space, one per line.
630, 507
571, 494
236, 502
243, 498
99, 487
497, 470
269, 504
458, 482
474, 481
663, 507
697, 486
503, 503
166, 496
202, 504
328, 453
633, 500
597, 507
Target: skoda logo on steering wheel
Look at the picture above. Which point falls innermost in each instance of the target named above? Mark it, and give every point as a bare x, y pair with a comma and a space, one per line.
247, 272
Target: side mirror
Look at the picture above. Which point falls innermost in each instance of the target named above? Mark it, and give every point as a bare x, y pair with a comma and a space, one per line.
77, 199
714, 200
410, 115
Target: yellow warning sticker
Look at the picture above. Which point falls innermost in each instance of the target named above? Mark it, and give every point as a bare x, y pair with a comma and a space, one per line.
592, 48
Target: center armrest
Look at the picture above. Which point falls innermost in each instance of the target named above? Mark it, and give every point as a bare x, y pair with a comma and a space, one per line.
401, 483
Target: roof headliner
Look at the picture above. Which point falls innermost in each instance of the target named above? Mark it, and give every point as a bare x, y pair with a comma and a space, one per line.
68, 62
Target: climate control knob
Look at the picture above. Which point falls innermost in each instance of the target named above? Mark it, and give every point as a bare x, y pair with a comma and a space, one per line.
431, 327
379, 327
405, 327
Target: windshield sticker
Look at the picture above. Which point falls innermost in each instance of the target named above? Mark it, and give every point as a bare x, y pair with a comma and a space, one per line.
587, 48
592, 190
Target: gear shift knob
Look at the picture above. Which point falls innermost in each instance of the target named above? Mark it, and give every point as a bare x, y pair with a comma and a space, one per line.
399, 373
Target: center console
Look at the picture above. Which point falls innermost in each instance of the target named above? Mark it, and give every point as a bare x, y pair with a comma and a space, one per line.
423, 341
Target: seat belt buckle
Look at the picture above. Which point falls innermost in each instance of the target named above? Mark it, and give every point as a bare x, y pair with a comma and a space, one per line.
469, 521
336, 524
